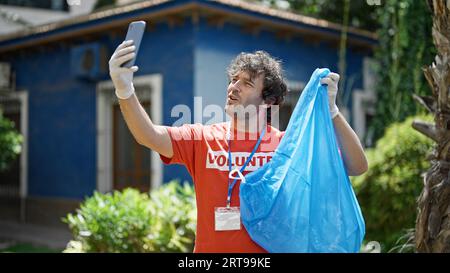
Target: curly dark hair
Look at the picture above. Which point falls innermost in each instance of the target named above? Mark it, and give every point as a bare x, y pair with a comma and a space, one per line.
275, 88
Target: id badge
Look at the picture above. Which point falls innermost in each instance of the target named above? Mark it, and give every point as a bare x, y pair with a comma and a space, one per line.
227, 218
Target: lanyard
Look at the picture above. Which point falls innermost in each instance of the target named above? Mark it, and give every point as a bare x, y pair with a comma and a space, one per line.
230, 187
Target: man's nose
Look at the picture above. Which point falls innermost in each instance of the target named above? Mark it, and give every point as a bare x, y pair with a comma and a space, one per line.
236, 86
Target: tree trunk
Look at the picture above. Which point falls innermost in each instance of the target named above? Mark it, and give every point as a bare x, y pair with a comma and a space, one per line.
433, 219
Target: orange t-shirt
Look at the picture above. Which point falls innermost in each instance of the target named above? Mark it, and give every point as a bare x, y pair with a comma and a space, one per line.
203, 149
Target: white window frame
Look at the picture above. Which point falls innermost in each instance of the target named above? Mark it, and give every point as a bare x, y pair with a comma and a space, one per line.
105, 101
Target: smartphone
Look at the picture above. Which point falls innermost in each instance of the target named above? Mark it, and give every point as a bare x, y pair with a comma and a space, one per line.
135, 33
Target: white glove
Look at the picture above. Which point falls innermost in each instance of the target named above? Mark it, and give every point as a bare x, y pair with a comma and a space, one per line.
122, 77
332, 80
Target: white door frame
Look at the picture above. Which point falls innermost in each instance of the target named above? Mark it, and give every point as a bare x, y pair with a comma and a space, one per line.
152, 90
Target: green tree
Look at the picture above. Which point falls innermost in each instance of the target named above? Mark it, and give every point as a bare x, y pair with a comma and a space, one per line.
361, 14
404, 46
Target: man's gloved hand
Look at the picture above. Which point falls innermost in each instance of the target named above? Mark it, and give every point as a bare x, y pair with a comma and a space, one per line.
332, 80
122, 77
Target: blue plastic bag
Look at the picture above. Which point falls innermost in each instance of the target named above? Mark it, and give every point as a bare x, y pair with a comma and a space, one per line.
302, 200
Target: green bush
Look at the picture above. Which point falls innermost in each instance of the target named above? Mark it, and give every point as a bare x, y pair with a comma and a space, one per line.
10, 142
388, 191
131, 221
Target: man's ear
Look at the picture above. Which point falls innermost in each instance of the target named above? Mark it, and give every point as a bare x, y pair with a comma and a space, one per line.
265, 106
269, 101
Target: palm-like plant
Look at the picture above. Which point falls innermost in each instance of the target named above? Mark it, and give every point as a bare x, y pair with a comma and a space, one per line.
433, 220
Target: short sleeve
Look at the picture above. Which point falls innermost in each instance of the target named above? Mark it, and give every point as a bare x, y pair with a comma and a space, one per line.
184, 140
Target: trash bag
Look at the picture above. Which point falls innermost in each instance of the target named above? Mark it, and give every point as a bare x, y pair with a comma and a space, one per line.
302, 200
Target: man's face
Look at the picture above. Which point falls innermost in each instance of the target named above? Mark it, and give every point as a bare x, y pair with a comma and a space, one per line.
242, 92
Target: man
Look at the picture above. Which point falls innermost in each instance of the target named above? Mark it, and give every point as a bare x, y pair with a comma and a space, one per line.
211, 152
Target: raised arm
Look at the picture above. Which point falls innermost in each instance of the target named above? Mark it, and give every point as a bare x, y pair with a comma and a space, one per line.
351, 148
139, 123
